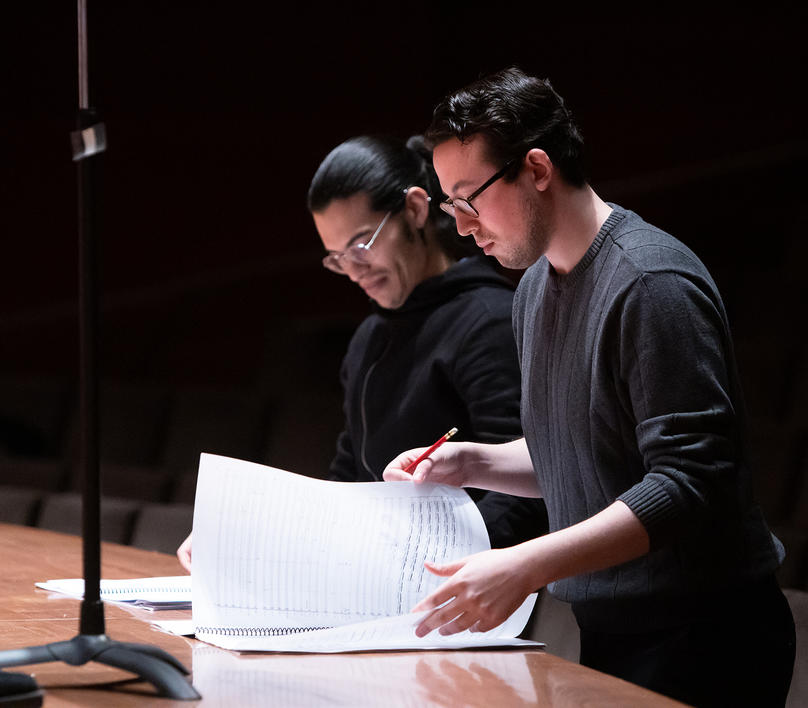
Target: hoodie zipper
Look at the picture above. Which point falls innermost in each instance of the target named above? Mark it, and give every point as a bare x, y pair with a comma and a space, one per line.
362, 412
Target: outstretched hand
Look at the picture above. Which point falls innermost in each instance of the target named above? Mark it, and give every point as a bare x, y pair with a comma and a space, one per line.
483, 590
443, 466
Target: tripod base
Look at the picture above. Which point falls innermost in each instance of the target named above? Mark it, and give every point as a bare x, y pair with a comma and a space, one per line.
19, 691
150, 663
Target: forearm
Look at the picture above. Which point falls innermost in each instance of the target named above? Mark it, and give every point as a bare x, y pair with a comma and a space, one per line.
504, 467
609, 538
485, 588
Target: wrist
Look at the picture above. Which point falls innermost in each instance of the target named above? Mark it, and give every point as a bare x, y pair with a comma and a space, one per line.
537, 559
468, 463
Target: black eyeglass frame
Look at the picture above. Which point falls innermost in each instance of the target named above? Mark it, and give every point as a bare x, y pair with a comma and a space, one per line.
448, 204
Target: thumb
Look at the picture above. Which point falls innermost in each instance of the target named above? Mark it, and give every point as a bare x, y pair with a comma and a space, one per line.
446, 568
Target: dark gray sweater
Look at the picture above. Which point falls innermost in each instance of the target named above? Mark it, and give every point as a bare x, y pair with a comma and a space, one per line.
630, 392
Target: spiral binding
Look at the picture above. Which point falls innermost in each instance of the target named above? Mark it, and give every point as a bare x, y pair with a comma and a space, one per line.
255, 631
122, 590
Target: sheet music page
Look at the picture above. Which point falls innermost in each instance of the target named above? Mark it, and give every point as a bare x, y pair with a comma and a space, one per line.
278, 553
387, 633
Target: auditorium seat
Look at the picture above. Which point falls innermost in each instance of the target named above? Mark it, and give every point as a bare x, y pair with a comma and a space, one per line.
162, 527
62, 512
19, 505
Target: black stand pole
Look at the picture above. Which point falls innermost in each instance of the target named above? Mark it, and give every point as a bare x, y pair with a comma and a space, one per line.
92, 644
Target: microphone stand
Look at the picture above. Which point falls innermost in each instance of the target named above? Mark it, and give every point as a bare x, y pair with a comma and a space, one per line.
150, 663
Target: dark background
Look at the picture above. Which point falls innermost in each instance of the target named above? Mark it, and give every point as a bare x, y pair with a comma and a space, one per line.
217, 117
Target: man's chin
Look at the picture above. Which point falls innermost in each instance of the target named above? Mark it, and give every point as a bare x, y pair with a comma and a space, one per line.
511, 262
387, 302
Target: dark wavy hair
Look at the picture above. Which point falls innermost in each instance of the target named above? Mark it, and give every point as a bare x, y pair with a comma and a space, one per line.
383, 167
515, 112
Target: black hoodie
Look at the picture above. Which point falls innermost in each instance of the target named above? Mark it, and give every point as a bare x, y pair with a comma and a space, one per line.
446, 358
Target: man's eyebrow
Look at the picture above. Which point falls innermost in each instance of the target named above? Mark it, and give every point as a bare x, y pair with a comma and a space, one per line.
362, 234
461, 183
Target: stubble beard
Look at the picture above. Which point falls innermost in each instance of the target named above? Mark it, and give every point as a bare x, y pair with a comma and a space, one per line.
527, 250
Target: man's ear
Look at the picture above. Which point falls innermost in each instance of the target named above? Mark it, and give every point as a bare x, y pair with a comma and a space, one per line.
417, 206
541, 168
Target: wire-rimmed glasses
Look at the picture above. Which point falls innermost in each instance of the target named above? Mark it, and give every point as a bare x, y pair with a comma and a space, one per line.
357, 253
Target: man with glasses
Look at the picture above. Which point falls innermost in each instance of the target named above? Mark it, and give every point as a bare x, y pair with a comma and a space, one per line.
633, 421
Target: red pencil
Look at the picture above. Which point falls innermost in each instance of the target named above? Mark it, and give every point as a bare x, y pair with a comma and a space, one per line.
410, 467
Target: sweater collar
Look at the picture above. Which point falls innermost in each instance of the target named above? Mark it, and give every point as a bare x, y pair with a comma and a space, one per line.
569, 279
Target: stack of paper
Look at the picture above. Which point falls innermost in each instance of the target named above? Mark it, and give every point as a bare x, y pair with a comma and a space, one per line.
163, 593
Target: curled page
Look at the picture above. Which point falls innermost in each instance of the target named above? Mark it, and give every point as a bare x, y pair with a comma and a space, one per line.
278, 554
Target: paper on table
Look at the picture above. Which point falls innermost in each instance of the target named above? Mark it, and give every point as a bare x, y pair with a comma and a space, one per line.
396, 632
182, 628
277, 553
171, 592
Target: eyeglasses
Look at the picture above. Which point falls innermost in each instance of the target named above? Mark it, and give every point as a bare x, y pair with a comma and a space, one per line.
450, 206
357, 254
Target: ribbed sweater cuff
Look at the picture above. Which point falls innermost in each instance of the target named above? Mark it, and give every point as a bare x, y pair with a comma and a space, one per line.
654, 508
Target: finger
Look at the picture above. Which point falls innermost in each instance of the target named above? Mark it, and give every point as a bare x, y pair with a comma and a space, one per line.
443, 615
392, 474
445, 592
423, 470
445, 569
459, 624
486, 625
439, 597
398, 466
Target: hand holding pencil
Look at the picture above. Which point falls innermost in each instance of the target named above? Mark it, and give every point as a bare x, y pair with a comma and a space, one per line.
426, 464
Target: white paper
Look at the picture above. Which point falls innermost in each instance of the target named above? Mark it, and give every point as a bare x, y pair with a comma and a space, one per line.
165, 592
182, 628
279, 554
387, 633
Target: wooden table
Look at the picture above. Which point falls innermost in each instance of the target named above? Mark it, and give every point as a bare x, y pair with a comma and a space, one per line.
29, 616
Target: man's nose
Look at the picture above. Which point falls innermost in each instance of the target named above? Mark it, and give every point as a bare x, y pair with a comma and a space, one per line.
353, 269
467, 225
